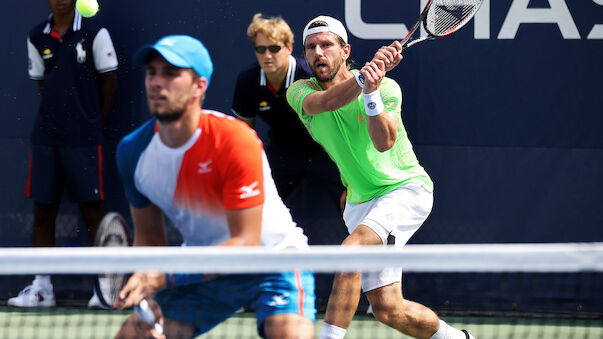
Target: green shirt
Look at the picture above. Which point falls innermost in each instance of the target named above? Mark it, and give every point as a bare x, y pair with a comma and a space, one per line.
365, 172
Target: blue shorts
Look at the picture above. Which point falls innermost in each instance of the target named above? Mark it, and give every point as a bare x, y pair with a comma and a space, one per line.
208, 303
78, 170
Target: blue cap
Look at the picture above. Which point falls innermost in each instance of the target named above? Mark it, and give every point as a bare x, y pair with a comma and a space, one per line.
181, 51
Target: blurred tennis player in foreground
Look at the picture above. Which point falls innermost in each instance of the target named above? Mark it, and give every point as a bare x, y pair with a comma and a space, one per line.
208, 173
389, 195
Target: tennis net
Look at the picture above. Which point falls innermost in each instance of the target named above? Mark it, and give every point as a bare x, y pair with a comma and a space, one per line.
494, 291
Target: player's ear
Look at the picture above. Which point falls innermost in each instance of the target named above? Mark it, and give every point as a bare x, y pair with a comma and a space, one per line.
200, 86
346, 51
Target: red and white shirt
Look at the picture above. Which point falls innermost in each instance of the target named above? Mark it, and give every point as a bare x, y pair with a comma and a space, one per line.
221, 167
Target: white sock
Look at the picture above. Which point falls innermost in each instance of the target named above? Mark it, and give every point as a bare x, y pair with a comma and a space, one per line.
329, 331
448, 332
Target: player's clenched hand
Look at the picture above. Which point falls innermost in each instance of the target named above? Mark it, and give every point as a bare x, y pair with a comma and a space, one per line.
390, 55
373, 73
140, 286
150, 329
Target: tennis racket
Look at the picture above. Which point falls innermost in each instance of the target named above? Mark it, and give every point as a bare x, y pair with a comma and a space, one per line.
441, 18
112, 232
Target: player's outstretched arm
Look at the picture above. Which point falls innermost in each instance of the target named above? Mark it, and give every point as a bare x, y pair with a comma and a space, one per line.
331, 99
382, 127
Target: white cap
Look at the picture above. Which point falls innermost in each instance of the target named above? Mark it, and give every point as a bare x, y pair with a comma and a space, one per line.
332, 25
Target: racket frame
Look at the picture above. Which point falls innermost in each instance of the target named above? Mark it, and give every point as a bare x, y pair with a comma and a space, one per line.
430, 36
406, 42
98, 241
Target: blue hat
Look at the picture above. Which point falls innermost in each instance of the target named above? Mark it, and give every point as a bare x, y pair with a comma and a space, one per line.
181, 51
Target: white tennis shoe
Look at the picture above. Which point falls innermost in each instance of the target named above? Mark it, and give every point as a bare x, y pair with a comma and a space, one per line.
38, 294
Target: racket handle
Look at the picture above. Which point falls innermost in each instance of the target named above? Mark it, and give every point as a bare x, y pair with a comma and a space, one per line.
146, 314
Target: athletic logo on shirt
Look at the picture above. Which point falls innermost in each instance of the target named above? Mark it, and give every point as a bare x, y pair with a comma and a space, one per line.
249, 191
264, 106
47, 54
81, 53
204, 167
279, 300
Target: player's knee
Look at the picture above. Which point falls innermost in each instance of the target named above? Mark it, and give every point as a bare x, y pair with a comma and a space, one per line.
296, 333
362, 235
288, 326
127, 329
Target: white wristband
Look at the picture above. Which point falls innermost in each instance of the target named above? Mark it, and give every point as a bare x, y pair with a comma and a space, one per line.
373, 105
359, 79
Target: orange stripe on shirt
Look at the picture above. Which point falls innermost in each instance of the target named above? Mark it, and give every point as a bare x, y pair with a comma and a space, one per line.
300, 291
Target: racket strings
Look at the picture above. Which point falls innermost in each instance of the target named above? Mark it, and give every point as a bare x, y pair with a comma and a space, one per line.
116, 282
112, 233
447, 16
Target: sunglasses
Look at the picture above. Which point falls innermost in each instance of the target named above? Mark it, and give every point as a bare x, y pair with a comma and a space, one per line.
271, 48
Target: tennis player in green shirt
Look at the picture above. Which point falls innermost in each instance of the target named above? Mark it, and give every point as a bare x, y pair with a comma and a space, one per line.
356, 116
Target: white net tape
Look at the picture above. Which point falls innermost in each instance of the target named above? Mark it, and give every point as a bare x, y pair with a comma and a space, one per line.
564, 257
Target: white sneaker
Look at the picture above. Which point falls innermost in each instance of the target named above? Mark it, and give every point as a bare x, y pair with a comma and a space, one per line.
34, 295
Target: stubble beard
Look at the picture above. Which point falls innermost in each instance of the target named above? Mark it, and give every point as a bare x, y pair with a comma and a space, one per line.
167, 117
330, 76
168, 112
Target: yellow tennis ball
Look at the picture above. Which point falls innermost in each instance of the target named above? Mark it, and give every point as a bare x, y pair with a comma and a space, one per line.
87, 8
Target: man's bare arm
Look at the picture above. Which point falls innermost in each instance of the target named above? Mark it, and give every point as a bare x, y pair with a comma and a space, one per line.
333, 98
245, 226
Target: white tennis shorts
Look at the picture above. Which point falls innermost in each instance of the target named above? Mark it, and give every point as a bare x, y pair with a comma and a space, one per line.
395, 217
